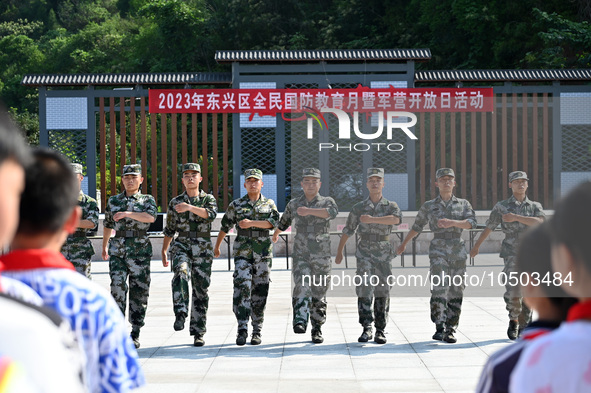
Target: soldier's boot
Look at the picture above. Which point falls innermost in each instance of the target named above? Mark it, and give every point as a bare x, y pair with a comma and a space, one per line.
199, 341
179, 323
299, 328
513, 330
317, 336
241, 337
256, 338
135, 336
380, 338
366, 335
449, 337
439, 333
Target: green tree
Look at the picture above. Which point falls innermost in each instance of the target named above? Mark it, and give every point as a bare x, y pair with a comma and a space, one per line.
566, 43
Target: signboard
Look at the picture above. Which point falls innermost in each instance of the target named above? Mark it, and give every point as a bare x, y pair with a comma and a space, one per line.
270, 102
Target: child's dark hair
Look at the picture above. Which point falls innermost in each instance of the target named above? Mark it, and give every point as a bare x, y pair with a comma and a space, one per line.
570, 224
535, 257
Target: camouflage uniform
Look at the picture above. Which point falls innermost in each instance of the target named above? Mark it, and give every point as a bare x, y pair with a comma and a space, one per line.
311, 257
130, 252
447, 255
252, 254
192, 256
513, 231
374, 255
78, 248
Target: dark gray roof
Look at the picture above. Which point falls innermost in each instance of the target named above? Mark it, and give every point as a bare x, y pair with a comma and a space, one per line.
503, 75
179, 78
322, 55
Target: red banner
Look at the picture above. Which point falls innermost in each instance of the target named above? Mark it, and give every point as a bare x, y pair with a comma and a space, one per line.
270, 102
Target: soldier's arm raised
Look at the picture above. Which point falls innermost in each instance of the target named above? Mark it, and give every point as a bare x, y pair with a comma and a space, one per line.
384, 220
316, 212
137, 216
263, 224
86, 224
529, 221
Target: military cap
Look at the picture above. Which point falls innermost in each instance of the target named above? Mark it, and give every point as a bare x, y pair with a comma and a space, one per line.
191, 166
311, 172
375, 172
133, 169
517, 175
256, 173
77, 168
444, 172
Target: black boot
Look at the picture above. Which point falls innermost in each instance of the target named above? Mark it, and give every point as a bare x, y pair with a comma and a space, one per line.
439, 333
366, 335
241, 337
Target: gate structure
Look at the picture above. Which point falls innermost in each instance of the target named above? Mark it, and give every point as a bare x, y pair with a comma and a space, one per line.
541, 124
106, 124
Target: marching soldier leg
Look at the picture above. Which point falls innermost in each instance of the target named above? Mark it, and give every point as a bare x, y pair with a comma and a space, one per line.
82, 266
512, 295
524, 316
302, 282
455, 295
139, 290
382, 294
364, 292
200, 281
260, 291
118, 273
242, 289
438, 302
321, 268
180, 283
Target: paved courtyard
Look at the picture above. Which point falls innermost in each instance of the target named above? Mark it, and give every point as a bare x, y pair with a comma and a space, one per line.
287, 362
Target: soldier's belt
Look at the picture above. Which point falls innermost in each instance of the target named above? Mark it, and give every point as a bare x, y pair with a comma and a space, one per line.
253, 233
447, 235
131, 233
374, 238
312, 229
194, 234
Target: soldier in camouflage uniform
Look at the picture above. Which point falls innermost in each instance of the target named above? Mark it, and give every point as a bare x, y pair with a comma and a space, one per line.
447, 217
130, 214
254, 215
311, 252
190, 215
515, 215
78, 248
374, 218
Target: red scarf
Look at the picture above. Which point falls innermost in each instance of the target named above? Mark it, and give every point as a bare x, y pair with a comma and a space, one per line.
579, 311
34, 259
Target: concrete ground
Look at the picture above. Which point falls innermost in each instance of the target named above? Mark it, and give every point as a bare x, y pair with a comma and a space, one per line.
286, 362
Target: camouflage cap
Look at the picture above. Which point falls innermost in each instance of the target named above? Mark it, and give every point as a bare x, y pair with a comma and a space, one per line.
256, 173
444, 172
517, 175
311, 172
191, 166
77, 168
375, 172
133, 169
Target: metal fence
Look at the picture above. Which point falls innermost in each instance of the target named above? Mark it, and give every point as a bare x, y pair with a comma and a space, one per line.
127, 134
483, 148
